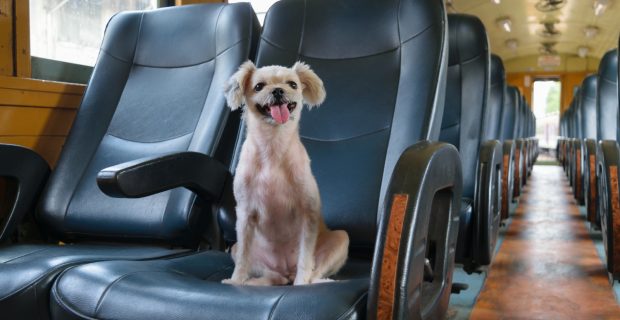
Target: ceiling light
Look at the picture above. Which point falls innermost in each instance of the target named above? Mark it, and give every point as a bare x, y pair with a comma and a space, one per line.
600, 6
496, 1
512, 44
504, 23
590, 31
582, 51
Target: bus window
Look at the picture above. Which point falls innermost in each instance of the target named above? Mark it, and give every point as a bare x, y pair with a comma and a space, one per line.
260, 7
71, 31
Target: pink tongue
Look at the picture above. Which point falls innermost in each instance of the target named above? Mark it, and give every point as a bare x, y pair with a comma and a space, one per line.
279, 113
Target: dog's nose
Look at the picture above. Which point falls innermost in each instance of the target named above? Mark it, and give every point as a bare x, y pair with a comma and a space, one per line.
277, 92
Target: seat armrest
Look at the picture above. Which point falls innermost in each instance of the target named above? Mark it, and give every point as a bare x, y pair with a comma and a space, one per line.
590, 193
508, 149
30, 172
487, 202
143, 177
418, 228
609, 203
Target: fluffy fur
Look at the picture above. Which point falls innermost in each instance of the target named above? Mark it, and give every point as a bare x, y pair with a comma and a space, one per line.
281, 235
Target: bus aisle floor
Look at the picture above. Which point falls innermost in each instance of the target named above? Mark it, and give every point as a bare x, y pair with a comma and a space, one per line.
548, 266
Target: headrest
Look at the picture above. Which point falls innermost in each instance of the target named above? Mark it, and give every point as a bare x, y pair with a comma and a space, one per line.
468, 38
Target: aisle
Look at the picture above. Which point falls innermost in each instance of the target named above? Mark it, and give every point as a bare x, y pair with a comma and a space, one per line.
547, 266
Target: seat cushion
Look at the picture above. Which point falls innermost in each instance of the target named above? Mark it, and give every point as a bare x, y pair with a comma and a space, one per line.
190, 287
28, 271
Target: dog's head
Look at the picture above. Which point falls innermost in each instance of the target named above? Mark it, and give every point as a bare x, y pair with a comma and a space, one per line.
274, 94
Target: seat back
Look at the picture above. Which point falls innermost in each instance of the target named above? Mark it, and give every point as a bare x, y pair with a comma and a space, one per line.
384, 92
588, 106
156, 88
530, 121
518, 116
466, 93
577, 115
607, 97
569, 124
509, 113
522, 116
497, 90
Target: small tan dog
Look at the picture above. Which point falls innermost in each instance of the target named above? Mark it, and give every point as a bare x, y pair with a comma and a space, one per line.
281, 235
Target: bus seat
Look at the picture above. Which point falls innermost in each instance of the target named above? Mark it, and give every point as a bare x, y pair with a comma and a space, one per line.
522, 141
509, 118
570, 115
467, 95
493, 112
518, 140
577, 154
589, 118
608, 158
373, 165
499, 95
156, 90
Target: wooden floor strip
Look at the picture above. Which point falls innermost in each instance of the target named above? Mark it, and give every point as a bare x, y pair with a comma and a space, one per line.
547, 266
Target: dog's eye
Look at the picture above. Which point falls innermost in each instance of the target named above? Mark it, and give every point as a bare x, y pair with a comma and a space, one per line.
292, 84
259, 86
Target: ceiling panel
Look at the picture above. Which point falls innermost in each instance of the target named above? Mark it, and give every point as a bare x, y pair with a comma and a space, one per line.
570, 20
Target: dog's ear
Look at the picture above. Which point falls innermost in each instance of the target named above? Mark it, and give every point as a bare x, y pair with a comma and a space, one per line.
235, 86
312, 85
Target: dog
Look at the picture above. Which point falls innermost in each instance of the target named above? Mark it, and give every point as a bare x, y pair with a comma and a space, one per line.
281, 235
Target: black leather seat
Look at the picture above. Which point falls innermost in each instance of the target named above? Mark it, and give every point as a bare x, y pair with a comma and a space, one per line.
588, 146
508, 135
531, 139
466, 101
570, 134
608, 157
500, 96
607, 100
150, 94
576, 164
384, 94
491, 126
493, 112
519, 153
522, 142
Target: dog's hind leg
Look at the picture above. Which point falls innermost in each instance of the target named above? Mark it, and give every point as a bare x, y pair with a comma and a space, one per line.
307, 250
246, 227
331, 254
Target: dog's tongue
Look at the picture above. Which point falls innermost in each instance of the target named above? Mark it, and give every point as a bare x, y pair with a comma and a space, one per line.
279, 113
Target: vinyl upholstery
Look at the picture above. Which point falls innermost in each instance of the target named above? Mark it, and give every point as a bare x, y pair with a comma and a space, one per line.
150, 93
381, 63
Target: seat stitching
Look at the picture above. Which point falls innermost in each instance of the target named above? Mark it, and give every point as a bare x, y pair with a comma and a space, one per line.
24, 255
179, 66
158, 141
273, 308
417, 34
277, 46
65, 306
110, 285
352, 308
347, 138
34, 281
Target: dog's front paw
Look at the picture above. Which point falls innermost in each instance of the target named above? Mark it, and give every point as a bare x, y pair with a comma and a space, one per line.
323, 280
232, 281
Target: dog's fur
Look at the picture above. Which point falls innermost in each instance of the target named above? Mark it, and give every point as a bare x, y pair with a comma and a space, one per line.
281, 235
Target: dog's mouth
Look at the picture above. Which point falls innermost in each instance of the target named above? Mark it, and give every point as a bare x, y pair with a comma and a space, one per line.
279, 111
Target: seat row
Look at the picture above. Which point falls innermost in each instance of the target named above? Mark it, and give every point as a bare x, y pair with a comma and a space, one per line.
138, 215
588, 152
